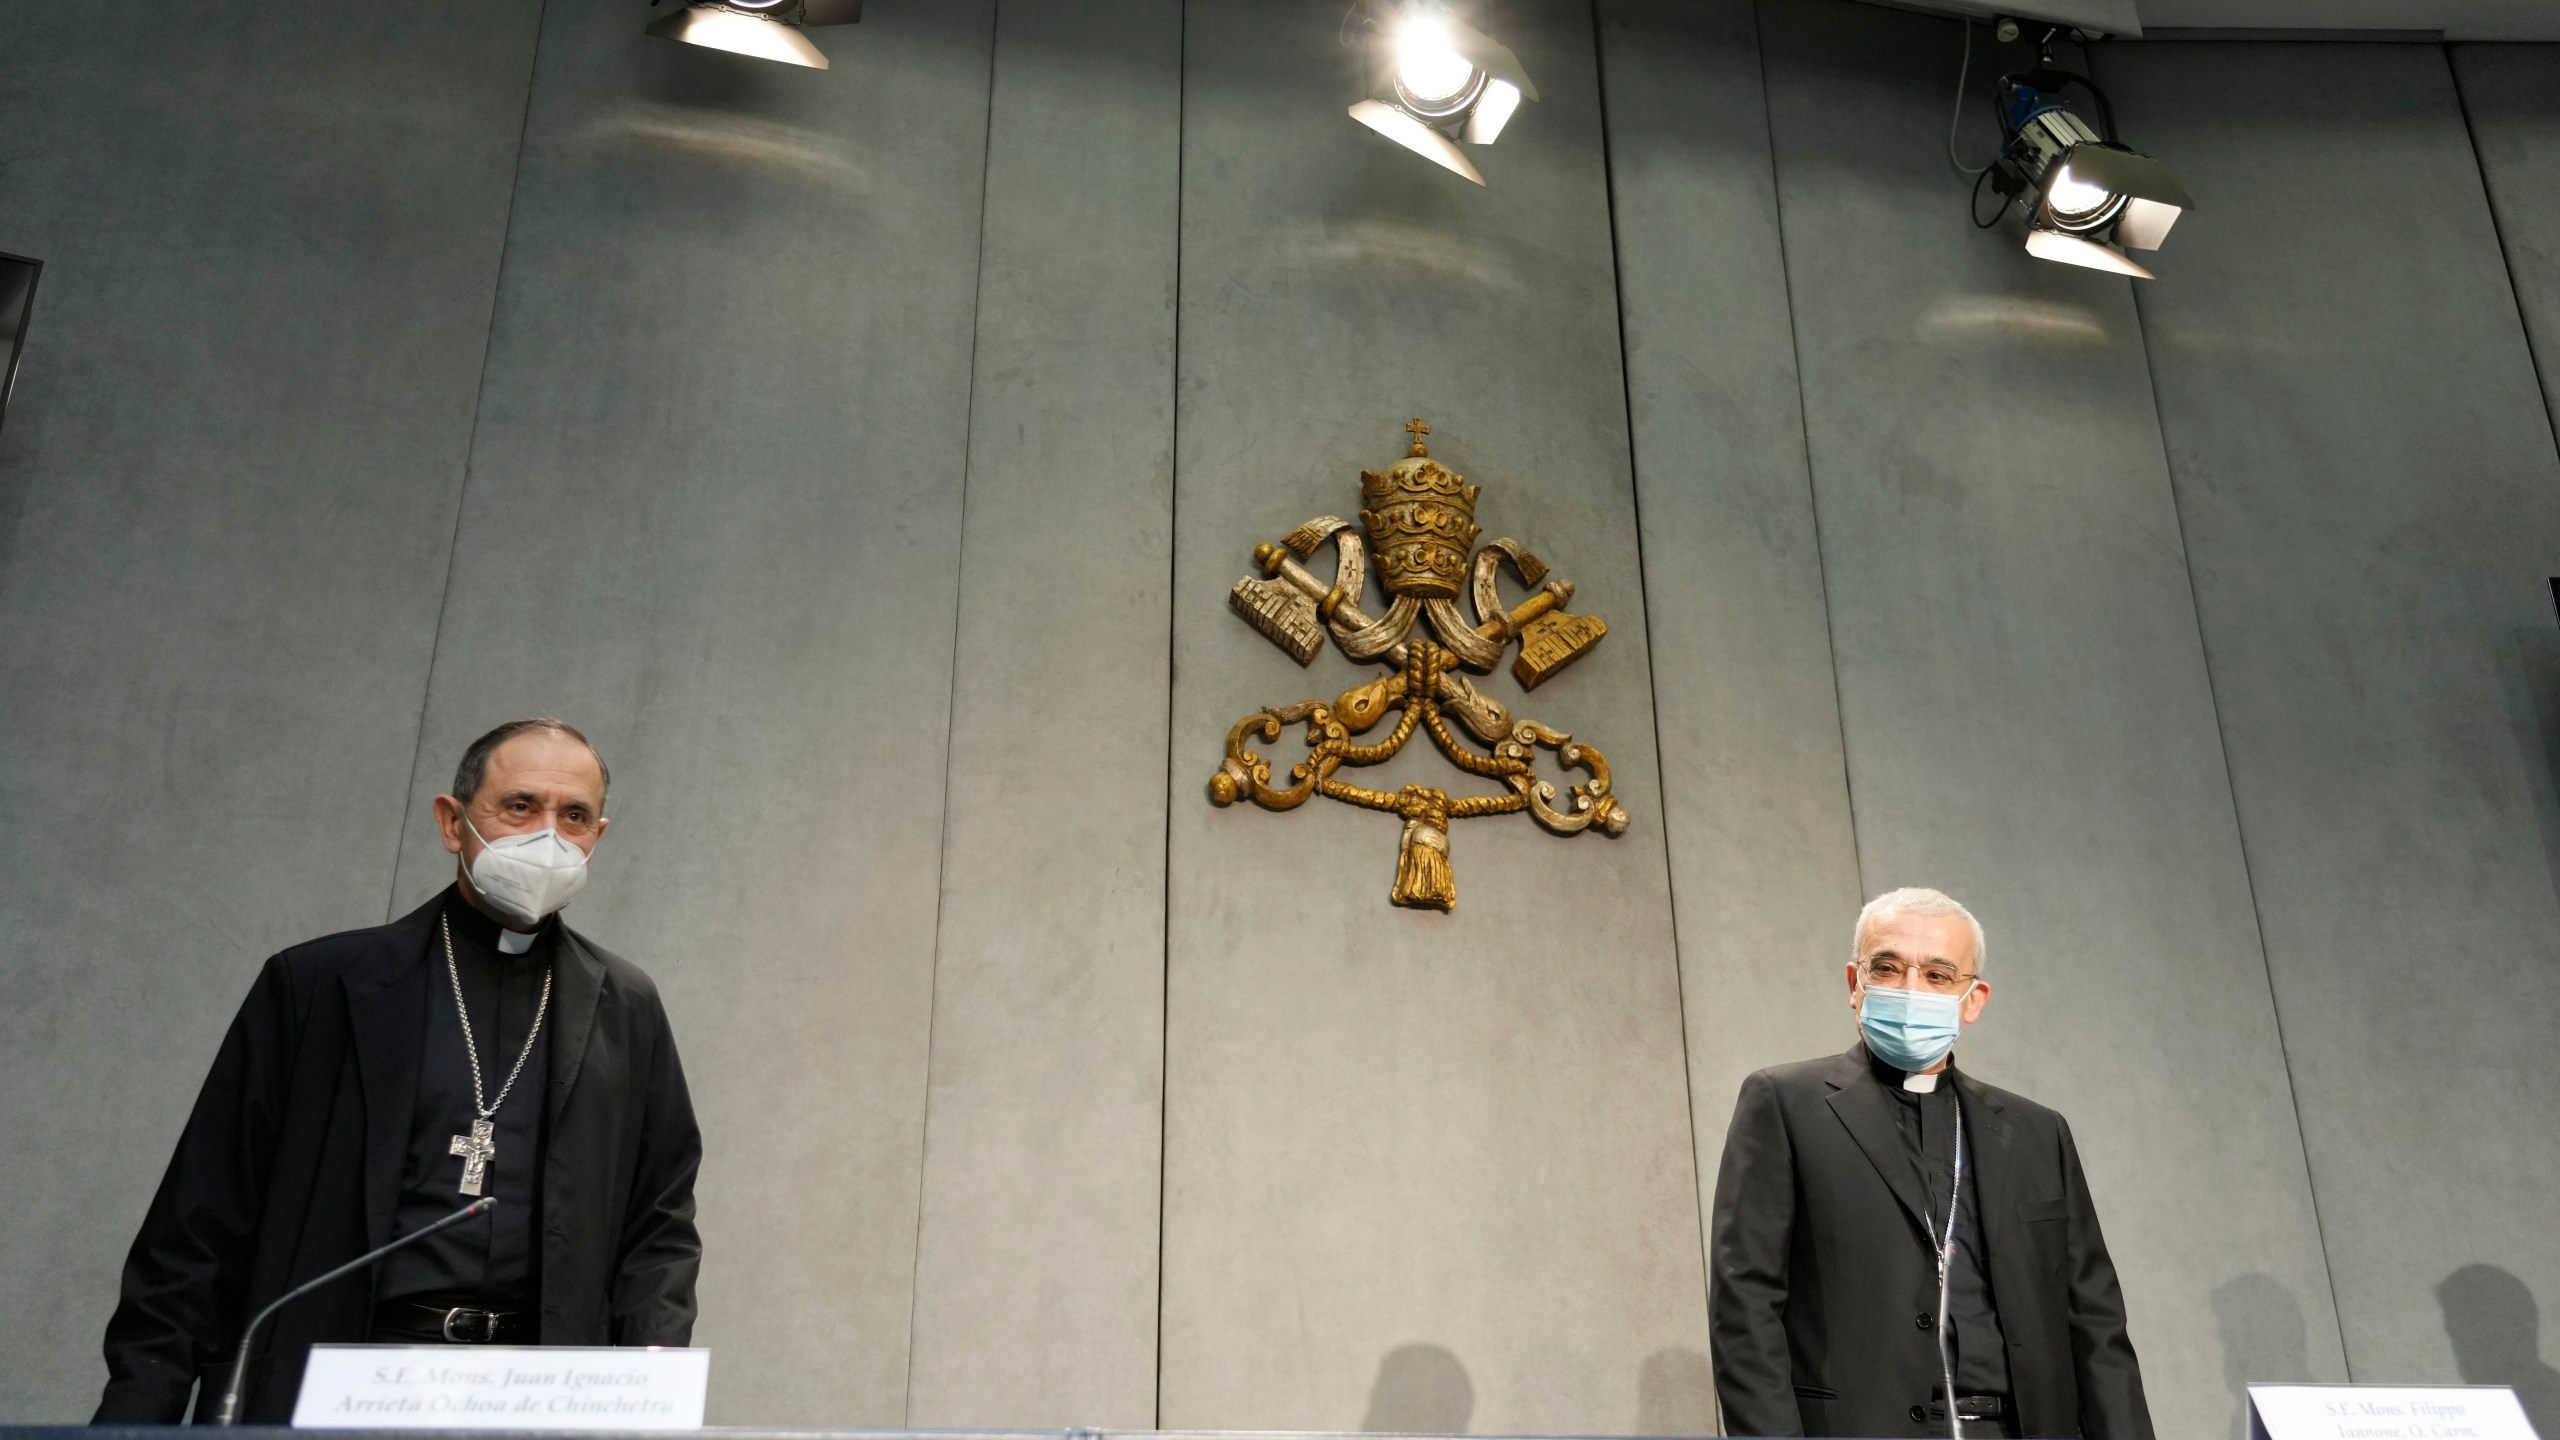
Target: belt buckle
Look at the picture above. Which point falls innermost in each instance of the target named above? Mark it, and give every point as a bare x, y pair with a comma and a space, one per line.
488, 1327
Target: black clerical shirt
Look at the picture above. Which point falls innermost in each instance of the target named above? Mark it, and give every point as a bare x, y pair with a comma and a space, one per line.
487, 1261
1928, 1124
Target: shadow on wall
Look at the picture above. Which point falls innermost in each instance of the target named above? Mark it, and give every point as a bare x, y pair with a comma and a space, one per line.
1421, 1390
1676, 1394
2264, 1339
2496, 1330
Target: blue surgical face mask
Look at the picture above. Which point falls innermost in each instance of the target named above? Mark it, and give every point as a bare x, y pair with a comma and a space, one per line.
1911, 1029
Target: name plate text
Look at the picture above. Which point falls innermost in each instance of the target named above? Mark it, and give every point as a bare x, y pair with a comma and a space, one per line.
2386, 1412
492, 1387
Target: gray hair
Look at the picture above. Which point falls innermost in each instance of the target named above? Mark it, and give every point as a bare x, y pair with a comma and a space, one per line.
1916, 900
475, 760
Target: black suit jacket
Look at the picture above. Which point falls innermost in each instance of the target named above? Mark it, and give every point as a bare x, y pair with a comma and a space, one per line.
290, 1165
1824, 1286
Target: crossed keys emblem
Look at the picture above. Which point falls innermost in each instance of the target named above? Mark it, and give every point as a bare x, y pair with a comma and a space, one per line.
1420, 518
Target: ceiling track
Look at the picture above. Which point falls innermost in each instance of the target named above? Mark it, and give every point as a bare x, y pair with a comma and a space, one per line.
2305, 35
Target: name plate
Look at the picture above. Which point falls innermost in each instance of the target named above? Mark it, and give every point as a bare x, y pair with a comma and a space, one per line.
2386, 1412
493, 1387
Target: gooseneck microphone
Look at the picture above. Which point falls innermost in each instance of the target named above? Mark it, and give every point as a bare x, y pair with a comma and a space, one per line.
228, 1412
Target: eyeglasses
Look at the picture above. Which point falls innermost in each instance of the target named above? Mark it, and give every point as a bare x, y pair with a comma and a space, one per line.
1888, 973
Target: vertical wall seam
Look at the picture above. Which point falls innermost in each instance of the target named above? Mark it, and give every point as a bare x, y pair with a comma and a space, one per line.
2240, 832
2239, 827
1804, 434
951, 712
462, 492
2506, 261
1172, 618
1653, 691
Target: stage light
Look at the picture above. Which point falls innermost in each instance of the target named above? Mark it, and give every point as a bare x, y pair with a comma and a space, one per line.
765, 29
2075, 198
1430, 73
1432, 80
2086, 197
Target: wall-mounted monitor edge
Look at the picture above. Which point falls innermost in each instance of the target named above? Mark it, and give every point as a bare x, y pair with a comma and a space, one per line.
18, 275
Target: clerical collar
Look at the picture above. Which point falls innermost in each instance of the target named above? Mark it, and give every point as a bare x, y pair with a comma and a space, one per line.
1921, 1083
470, 924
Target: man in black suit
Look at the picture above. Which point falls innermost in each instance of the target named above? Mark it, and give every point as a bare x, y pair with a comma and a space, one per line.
1891, 1232
380, 1079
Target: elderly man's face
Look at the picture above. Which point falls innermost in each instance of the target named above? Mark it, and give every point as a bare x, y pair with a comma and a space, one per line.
1920, 952
536, 781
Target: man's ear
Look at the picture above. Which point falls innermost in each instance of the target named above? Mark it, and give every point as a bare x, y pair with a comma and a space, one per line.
1973, 1002
449, 823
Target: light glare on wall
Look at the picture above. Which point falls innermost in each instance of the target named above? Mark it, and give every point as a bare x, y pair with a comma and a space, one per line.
1433, 81
765, 29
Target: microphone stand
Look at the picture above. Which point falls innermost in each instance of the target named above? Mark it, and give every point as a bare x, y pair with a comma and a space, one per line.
228, 1412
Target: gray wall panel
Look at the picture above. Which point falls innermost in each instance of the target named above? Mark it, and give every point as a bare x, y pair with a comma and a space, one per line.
227, 485
2025, 703
1423, 1170
1036, 1267
714, 516
1763, 861
827, 470
2511, 97
2369, 500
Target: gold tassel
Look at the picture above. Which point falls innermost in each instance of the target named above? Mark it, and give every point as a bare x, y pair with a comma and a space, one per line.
1423, 877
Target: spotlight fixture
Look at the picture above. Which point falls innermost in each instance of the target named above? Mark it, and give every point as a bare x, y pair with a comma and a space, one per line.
2086, 197
766, 29
1431, 80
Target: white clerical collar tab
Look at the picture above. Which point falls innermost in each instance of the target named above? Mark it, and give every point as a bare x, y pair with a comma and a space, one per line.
516, 942
1920, 1083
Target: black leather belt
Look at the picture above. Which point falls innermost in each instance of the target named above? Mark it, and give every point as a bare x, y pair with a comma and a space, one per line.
1968, 1407
458, 1325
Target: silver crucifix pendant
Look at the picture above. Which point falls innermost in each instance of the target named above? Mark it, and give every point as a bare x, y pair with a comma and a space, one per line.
477, 1149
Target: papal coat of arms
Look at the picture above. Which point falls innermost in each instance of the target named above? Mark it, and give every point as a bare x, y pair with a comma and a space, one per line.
1420, 518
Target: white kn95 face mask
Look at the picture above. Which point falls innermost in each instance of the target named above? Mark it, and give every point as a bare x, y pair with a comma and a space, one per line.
527, 877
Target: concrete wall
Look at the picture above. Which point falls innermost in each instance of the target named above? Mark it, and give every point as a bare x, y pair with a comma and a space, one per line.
227, 493
735, 560
2030, 621
1763, 856
1393, 1134
2511, 102
1035, 1289
2367, 485
863, 457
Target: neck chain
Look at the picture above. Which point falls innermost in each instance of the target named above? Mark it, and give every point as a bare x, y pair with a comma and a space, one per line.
480, 1147
1946, 1246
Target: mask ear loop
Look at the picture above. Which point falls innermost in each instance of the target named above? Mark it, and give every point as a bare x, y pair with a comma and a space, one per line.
465, 860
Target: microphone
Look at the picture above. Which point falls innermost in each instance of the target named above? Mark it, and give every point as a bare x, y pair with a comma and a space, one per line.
228, 1412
